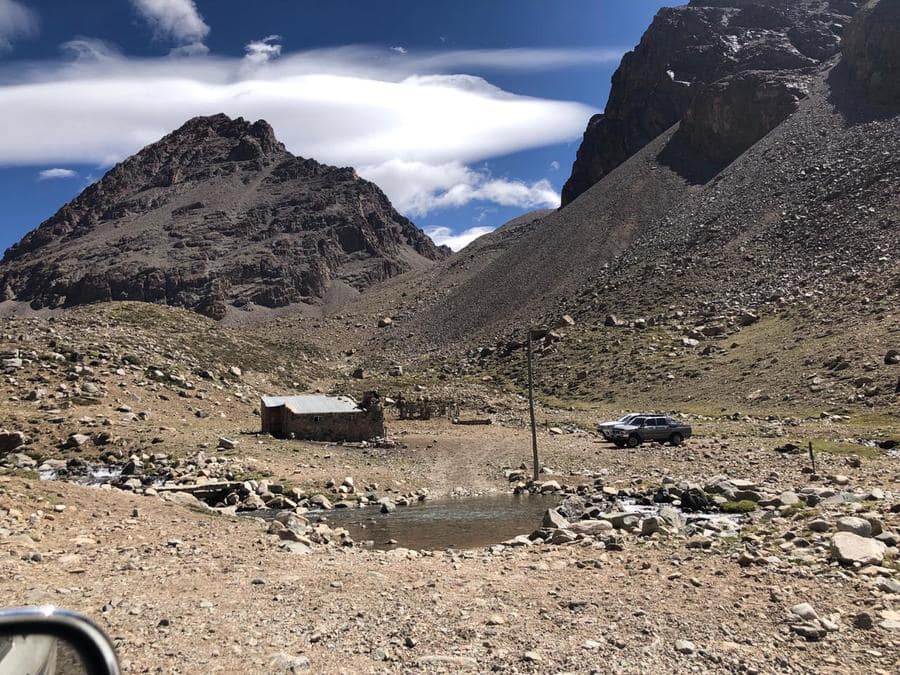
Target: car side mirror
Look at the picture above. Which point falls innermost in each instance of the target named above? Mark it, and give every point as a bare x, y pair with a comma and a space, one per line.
51, 640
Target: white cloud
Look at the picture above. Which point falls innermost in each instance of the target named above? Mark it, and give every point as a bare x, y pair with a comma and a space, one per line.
343, 107
16, 21
261, 51
417, 188
554, 165
443, 236
49, 174
399, 49
177, 20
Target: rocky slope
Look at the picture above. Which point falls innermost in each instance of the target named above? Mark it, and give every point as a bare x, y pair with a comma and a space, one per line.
705, 269
734, 68
215, 215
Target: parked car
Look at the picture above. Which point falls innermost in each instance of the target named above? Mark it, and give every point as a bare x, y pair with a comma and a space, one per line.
659, 428
605, 428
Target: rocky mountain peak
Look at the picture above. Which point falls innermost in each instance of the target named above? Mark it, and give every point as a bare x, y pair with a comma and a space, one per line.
684, 60
216, 214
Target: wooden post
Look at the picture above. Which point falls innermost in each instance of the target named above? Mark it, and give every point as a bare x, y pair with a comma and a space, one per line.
812, 457
534, 446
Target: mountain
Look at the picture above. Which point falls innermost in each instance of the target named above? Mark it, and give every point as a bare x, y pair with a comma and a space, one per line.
687, 263
704, 58
216, 214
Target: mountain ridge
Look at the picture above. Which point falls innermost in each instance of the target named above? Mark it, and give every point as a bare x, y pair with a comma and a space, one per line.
216, 214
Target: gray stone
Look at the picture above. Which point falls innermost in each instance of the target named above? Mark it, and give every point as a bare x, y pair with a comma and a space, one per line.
847, 547
858, 526
788, 498
649, 526
554, 519
819, 525
805, 611
888, 586
286, 663
591, 526
685, 647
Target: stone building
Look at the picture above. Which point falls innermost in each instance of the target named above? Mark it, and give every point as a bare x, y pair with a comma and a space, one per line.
316, 417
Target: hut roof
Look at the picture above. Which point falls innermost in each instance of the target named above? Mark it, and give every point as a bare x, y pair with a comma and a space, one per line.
313, 404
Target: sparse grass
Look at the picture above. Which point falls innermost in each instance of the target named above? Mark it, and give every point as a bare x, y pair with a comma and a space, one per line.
259, 474
798, 511
743, 506
834, 448
20, 473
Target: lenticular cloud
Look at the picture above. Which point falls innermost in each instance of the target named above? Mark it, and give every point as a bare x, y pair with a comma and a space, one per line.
348, 107
102, 109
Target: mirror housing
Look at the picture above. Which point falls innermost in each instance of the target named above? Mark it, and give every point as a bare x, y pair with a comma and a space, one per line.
21, 625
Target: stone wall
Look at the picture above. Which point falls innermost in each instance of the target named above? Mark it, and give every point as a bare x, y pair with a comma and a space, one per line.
355, 426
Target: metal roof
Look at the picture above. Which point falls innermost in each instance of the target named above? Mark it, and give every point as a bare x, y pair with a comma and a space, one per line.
313, 404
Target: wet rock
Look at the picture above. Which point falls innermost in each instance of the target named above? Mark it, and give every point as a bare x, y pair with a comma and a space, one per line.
694, 500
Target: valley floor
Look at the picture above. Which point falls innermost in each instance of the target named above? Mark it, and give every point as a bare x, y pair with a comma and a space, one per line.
183, 590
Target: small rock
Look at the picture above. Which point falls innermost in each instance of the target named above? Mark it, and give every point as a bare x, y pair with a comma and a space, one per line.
685, 647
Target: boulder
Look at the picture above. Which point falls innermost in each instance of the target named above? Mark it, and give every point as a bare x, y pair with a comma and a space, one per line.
10, 440
850, 548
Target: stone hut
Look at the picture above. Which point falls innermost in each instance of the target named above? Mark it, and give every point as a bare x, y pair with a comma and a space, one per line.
316, 417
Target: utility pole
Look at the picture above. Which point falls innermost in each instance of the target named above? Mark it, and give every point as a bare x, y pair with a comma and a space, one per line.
534, 446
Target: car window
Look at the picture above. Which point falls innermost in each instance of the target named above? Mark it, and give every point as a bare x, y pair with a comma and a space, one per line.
637, 421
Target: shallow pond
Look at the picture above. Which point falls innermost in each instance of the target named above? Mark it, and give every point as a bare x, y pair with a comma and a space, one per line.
473, 522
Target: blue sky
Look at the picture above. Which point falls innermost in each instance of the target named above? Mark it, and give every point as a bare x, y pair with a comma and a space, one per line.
467, 112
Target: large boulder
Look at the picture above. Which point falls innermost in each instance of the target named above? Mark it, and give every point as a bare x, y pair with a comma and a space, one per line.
850, 548
872, 50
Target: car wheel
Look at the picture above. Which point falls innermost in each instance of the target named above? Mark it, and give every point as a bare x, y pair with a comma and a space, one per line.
633, 441
619, 444
675, 439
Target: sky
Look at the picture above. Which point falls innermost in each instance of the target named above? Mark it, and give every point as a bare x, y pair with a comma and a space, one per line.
467, 113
